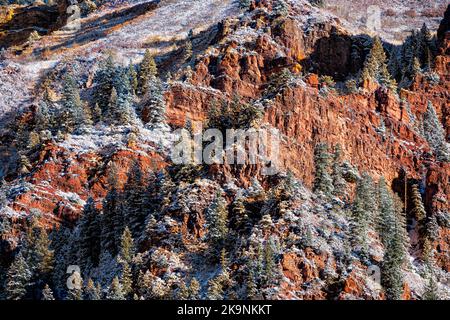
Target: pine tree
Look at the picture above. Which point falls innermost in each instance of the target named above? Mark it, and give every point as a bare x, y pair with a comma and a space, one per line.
375, 66
359, 221
431, 289
44, 257
112, 219
17, 278
194, 289
215, 289
392, 273
245, 4
435, 134
91, 292
217, 223
126, 279
115, 291
135, 199
393, 238
127, 246
147, 70
386, 220
251, 289
105, 79
153, 110
133, 78
322, 180
269, 264
418, 210
281, 8
72, 111
120, 111
339, 183
47, 293
89, 235
182, 292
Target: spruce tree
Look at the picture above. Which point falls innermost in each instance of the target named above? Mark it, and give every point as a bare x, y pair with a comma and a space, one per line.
215, 289
126, 279
133, 78
105, 79
17, 278
435, 134
392, 273
245, 4
89, 235
194, 289
431, 289
112, 219
153, 110
359, 221
418, 209
72, 112
322, 180
281, 8
115, 291
47, 293
375, 66
386, 220
339, 183
217, 223
135, 199
147, 70
269, 263
91, 292
127, 246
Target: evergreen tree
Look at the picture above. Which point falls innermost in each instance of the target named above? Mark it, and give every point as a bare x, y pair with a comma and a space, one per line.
418, 210
154, 106
339, 183
135, 199
322, 181
269, 263
43, 256
89, 234
217, 223
245, 4
91, 292
47, 293
126, 279
431, 289
112, 219
375, 67
133, 78
115, 291
127, 246
105, 79
359, 221
120, 111
251, 289
194, 289
147, 70
387, 216
72, 112
215, 289
17, 278
392, 273
281, 8
435, 134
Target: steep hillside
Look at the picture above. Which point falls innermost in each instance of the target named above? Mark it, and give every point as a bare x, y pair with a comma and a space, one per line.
358, 209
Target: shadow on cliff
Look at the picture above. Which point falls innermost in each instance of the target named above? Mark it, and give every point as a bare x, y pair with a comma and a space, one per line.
100, 27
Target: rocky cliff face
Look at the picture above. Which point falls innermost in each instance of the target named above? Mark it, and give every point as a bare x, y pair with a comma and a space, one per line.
245, 57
